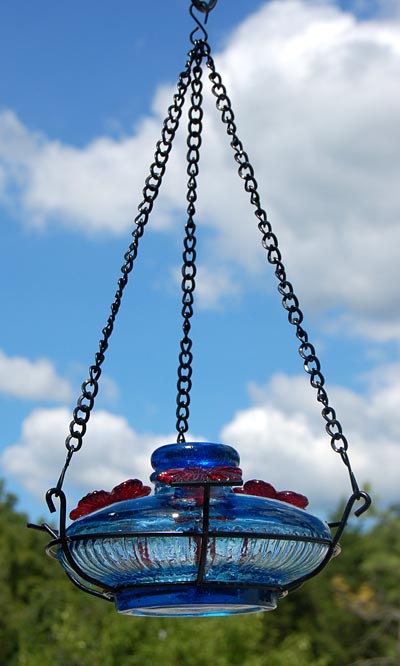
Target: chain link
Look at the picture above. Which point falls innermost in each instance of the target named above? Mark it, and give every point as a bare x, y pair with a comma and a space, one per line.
90, 387
290, 301
188, 284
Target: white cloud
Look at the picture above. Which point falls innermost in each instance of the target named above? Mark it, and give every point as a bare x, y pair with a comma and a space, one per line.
284, 429
280, 438
382, 329
284, 451
92, 189
316, 98
112, 452
32, 380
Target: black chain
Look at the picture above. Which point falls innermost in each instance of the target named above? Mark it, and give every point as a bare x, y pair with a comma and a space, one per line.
193, 142
289, 300
85, 403
192, 76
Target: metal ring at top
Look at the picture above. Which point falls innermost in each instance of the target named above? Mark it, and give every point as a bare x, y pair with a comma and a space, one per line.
203, 6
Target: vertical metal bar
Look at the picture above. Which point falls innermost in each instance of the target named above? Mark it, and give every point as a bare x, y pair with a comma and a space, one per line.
204, 534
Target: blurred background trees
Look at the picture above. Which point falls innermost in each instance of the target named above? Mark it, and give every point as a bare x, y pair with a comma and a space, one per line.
347, 616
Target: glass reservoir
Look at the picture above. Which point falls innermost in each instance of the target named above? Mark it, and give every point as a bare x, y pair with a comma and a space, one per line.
196, 547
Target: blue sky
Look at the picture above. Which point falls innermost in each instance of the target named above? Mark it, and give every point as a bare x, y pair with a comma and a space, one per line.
83, 93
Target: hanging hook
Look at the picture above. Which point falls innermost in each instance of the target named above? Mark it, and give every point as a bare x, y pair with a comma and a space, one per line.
205, 8
200, 26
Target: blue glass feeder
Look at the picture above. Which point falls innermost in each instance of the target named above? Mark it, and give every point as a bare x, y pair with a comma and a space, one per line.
203, 543
196, 547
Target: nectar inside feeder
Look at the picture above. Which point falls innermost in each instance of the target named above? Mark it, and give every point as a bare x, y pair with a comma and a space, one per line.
203, 543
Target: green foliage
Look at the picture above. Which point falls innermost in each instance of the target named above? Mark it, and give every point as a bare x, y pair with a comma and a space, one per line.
348, 615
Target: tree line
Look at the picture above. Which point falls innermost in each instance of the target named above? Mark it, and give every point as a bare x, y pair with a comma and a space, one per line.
347, 616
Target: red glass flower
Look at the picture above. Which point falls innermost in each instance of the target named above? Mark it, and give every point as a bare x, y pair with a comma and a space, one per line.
98, 499
131, 489
91, 502
292, 498
264, 489
221, 473
257, 487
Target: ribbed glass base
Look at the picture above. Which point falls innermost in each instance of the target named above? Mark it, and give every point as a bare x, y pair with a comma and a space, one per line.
194, 601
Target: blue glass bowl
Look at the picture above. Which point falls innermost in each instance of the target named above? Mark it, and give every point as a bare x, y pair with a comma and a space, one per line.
150, 550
